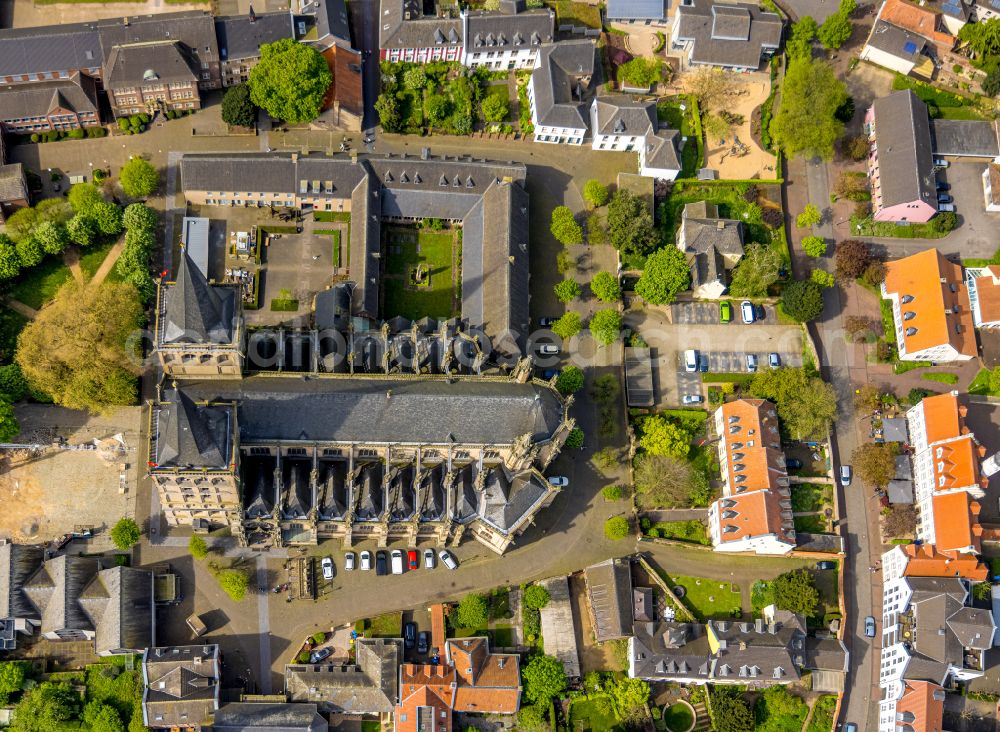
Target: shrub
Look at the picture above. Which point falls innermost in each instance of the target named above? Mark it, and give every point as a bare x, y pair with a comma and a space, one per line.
535, 597
575, 439
304, 657
814, 246
810, 216
612, 493
198, 547
616, 528
567, 290
595, 193
570, 380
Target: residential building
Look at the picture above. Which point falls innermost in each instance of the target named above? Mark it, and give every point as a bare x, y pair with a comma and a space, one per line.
983, 284
18, 615
712, 246
983, 10
907, 37
369, 686
407, 34
738, 36
947, 477
754, 513
621, 122
47, 53
328, 30
931, 634
636, 11
955, 15
931, 309
269, 717
659, 156
609, 599
925, 20
920, 705
180, 686
61, 105
509, 39
240, 38
14, 192
558, 91
900, 161
926, 560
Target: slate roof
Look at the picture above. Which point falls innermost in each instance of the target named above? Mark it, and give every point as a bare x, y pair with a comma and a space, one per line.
13, 185
119, 603
18, 562
76, 94
896, 41
243, 716
331, 21
191, 436
620, 114
384, 409
487, 31
182, 685
162, 61
50, 48
193, 29
195, 311
669, 650
635, 10
403, 25
561, 78
55, 590
709, 242
240, 38
727, 34
609, 594
371, 686
829, 654
905, 161
507, 497
661, 150
973, 138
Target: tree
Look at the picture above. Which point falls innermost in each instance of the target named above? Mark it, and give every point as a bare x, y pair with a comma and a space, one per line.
803, 300
564, 227
876, 463
630, 697
13, 385
290, 81
471, 612
22, 222
810, 216
51, 236
12, 675
776, 708
982, 37
800, 39
76, 348
570, 380
237, 107
851, 258
532, 719
867, 398
415, 78
595, 193
821, 277
139, 217
139, 179
835, 31
567, 290
9, 426
991, 82
567, 326
710, 85
575, 439
83, 197
605, 286
388, 112
807, 405
495, 109
544, 679
661, 436
102, 717
730, 711
535, 596
874, 274
43, 708
944, 222
605, 326
666, 273
437, 107
56, 210
29, 251
806, 122
858, 327
10, 263
852, 186
630, 224
759, 268
796, 591
814, 246
197, 547
81, 230
107, 217
616, 528
125, 534
640, 72
663, 482
235, 583
901, 520
856, 148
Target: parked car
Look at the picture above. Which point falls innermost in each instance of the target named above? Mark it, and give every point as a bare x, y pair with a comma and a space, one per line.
945, 198
551, 374
850, 727
396, 561
747, 311
317, 656
703, 363
870, 627
409, 634
546, 322
366, 560
560, 481
759, 310
793, 463
725, 311
380, 564
411, 559
547, 349
826, 565
946, 208
692, 399
423, 642
943, 186
845, 475
941, 163
428, 559
327, 565
349, 560
751, 362
447, 559
690, 360
773, 360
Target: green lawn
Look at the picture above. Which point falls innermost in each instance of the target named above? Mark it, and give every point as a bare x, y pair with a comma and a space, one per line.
870, 227
950, 105
942, 377
980, 385
280, 305
706, 598
334, 235
677, 718
92, 259
499, 602
389, 625
339, 216
691, 420
578, 14
669, 110
814, 524
593, 715
39, 284
503, 636
406, 248
811, 497
822, 717
693, 531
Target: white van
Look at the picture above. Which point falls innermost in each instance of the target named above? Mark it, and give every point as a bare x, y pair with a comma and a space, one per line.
946, 207
690, 360
397, 561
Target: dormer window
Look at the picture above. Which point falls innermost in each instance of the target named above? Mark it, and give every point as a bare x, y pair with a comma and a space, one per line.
906, 299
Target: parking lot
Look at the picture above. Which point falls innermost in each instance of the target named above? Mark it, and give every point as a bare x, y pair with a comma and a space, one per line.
722, 347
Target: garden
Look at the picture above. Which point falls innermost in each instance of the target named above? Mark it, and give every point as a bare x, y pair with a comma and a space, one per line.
813, 594
671, 471
420, 278
681, 113
705, 598
940, 104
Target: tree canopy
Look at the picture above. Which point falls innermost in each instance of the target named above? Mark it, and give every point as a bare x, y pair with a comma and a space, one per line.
876, 463
759, 268
662, 481
806, 122
730, 710
982, 37
234, 582
197, 547
125, 534
796, 591
606, 326
605, 286
661, 436
237, 107
570, 380
814, 246
851, 258
495, 109
810, 216
806, 404
12, 675
535, 597
595, 193
835, 31
45, 707
544, 679
666, 273
568, 325
803, 300
76, 349
564, 227
290, 81
567, 290
139, 179
630, 224
640, 72
471, 612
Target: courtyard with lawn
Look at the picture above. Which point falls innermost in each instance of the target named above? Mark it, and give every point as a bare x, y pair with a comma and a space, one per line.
704, 597
420, 272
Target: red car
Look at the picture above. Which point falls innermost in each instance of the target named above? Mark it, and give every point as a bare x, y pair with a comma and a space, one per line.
411, 559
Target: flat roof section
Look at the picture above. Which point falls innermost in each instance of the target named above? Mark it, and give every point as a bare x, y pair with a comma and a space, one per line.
639, 377
194, 237
965, 138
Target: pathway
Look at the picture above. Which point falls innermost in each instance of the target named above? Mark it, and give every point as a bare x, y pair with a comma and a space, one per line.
264, 626
19, 307
71, 258
109, 261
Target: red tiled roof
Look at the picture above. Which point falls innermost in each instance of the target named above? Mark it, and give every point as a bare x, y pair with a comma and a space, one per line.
956, 522
926, 561
750, 433
757, 513
925, 701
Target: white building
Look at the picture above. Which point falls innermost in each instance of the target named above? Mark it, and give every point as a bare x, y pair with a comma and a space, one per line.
624, 123
505, 41
558, 89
